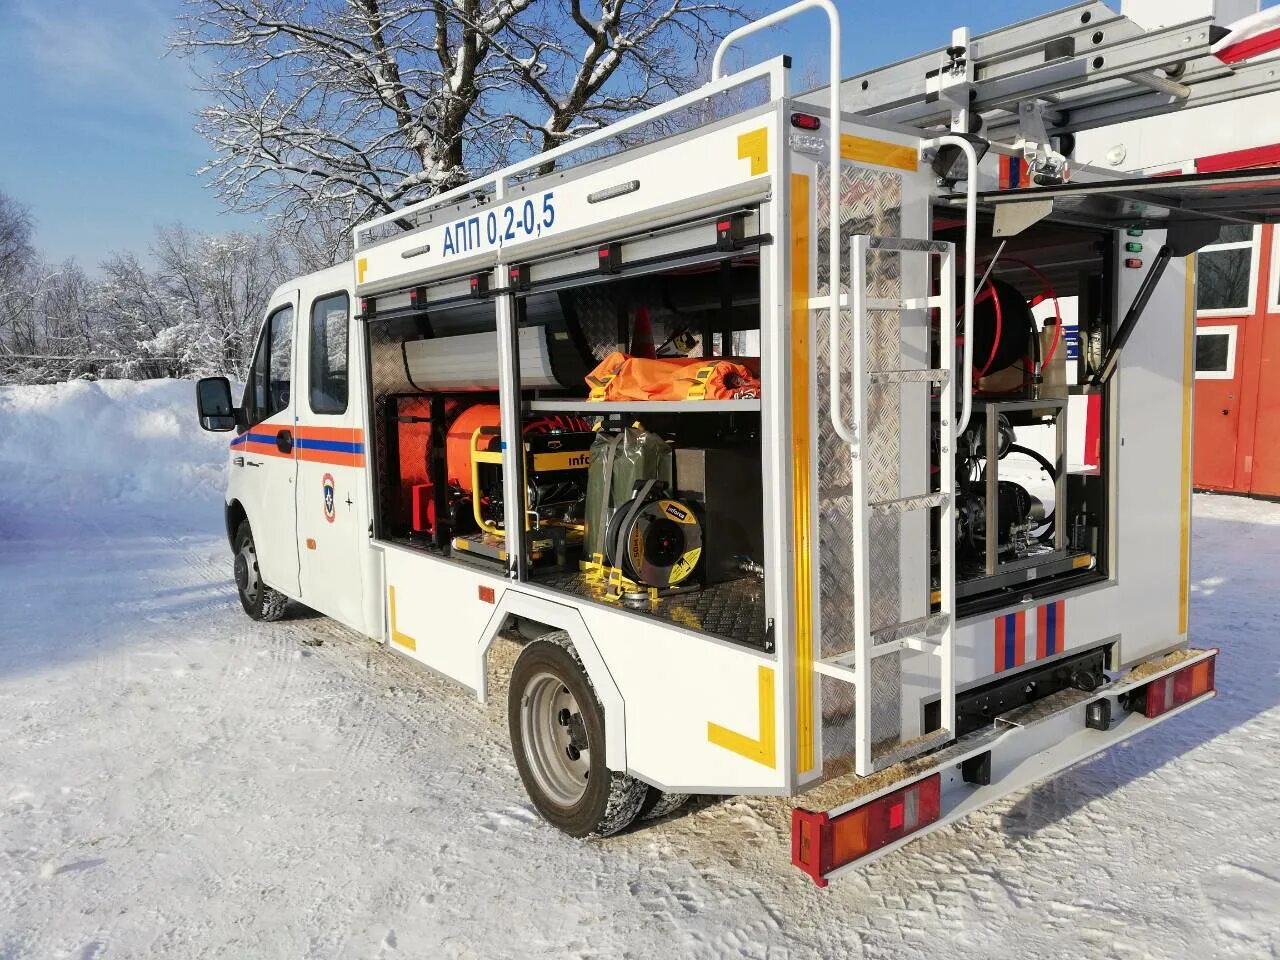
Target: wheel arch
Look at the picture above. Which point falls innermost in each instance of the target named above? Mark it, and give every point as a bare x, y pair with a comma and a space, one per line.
558, 616
235, 515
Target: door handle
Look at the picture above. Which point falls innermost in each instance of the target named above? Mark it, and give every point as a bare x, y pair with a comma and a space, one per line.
284, 441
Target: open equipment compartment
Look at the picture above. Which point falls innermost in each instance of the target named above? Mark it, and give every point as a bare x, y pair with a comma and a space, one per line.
669, 521
1034, 520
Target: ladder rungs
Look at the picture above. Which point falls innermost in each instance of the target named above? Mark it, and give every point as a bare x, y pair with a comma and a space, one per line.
886, 755
905, 504
838, 668
909, 376
893, 303
920, 627
908, 245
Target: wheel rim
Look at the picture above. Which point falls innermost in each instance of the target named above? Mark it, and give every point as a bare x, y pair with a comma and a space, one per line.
555, 740
246, 570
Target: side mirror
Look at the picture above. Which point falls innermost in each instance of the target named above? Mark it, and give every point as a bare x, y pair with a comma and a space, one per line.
214, 405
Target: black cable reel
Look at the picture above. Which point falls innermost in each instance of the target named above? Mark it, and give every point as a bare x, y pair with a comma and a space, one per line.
654, 539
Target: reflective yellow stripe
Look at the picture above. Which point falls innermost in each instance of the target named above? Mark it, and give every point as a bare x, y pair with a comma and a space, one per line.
1188, 382
763, 749
401, 639
755, 147
878, 152
800, 468
361, 266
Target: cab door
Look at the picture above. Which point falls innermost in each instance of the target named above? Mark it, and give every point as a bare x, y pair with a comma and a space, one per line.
263, 466
329, 441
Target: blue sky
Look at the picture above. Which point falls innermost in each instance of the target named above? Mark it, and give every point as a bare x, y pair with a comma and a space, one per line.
95, 119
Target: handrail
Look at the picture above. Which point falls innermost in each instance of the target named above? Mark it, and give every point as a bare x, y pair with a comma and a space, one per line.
833, 145
772, 69
970, 242
848, 432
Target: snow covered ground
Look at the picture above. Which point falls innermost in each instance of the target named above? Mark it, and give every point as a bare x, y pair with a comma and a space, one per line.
176, 781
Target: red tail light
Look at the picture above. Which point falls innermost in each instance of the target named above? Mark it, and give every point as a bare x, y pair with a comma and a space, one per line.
820, 844
805, 121
1181, 686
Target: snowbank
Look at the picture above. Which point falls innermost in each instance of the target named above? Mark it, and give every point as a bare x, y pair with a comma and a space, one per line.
106, 453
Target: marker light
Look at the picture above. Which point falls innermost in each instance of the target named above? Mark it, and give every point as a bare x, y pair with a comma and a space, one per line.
805, 121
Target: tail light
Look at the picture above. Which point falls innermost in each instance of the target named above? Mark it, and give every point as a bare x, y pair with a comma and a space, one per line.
1181, 686
805, 121
821, 843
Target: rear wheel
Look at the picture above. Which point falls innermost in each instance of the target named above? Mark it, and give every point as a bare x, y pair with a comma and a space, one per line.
260, 602
557, 735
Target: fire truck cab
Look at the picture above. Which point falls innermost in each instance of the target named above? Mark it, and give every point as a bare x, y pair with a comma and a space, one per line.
834, 446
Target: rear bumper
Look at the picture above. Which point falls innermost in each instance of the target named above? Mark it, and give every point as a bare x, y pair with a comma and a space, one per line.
1020, 748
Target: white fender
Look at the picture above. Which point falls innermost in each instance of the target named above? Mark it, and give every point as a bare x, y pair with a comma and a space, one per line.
562, 617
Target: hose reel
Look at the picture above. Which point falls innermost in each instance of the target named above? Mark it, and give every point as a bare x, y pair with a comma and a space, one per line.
654, 539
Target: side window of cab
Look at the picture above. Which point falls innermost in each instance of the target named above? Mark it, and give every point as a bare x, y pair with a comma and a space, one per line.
266, 391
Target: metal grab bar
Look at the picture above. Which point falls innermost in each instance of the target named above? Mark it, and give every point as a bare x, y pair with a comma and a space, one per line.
833, 154
970, 241
848, 432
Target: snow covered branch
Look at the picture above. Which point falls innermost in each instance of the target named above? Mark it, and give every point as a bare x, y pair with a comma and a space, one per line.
337, 109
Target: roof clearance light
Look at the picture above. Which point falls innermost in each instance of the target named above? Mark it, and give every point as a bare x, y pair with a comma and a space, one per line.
820, 844
1181, 686
805, 121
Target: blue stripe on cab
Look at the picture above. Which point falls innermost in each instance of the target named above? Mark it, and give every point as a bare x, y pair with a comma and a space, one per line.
332, 446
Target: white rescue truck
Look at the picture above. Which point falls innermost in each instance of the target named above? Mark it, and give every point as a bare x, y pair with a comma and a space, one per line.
894, 521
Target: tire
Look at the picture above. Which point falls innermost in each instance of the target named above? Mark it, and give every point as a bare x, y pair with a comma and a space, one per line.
658, 804
557, 736
260, 602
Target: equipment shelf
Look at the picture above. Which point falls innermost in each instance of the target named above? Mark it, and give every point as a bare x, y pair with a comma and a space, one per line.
644, 406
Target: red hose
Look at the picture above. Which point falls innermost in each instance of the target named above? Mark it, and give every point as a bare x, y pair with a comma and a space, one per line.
989, 290
1047, 293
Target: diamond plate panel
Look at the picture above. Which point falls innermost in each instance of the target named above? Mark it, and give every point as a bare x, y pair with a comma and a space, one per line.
733, 611
386, 368
870, 204
595, 309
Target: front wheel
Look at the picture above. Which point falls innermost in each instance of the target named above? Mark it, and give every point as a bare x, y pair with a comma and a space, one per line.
557, 735
260, 602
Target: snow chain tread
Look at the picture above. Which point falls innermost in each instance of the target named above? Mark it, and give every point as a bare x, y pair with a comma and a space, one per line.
273, 604
665, 804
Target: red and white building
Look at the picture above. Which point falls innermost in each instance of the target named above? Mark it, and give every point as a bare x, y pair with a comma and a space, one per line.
1237, 389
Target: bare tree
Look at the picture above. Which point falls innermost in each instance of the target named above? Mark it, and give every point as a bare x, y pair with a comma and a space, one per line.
15, 236
355, 107
17, 268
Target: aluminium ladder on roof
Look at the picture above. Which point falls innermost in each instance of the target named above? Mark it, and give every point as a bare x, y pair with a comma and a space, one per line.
1083, 67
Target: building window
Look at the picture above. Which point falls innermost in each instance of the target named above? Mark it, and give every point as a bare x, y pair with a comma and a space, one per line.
1225, 272
328, 350
1216, 353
